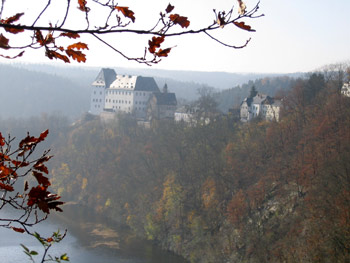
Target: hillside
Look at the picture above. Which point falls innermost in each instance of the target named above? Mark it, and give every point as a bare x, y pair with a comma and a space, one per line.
184, 83
223, 192
26, 93
272, 86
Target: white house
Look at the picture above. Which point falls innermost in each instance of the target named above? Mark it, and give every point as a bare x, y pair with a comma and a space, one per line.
345, 90
184, 114
121, 93
260, 105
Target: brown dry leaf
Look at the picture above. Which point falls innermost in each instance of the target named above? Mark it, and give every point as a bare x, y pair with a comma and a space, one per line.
169, 8
126, 12
241, 7
163, 52
78, 45
180, 20
70, 35
76, 55
155, 43
4, 42
243, 26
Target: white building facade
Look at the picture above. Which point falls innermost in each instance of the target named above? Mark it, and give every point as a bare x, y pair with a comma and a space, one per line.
345, 90
260, 105
121, 93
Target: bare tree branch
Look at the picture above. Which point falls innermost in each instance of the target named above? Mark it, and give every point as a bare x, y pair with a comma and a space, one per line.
116, 21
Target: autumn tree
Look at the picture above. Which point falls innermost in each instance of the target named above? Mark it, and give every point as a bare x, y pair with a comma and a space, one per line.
58, 30
32, 203
23, 30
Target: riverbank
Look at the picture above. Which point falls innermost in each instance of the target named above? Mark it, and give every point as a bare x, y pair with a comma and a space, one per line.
107, 237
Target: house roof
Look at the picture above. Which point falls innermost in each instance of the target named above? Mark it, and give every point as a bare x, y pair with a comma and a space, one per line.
248, 101
146, 84
271, 101
105, 77
268, 100
166, 99
259, 98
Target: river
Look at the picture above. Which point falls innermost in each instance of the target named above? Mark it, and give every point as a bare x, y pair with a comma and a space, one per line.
87, 241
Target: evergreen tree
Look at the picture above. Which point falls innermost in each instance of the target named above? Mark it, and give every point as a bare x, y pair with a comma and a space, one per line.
253, 92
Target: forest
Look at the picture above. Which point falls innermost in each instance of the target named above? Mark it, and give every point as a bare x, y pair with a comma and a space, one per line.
223, 191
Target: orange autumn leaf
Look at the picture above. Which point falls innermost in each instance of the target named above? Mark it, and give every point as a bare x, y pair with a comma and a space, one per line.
78, 45
155, 43
39, 37
41, 167
4, 42
9, 21
163, 52
53, 54
13, 30
43, 135
41, 179
126, 12
17, 229
76, 55
6, 187
180, 20
82, 6
70, 35
2, 140
19, 163
12, 19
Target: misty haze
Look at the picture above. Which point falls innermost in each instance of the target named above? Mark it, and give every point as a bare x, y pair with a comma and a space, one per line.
174, 132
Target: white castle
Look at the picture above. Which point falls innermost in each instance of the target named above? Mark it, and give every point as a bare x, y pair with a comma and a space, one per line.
137, 95
125, 93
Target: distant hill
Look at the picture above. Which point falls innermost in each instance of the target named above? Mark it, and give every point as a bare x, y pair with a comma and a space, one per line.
32, 89
26, 93
217, 80
231, 98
